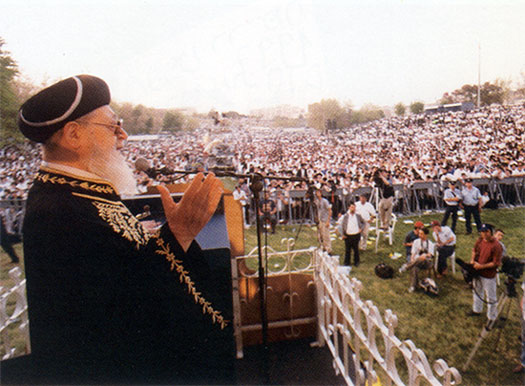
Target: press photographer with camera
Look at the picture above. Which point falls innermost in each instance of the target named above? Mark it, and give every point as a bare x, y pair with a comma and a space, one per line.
485, 259
421, 257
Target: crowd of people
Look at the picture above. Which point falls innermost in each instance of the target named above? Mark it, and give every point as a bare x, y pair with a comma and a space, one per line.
481, 143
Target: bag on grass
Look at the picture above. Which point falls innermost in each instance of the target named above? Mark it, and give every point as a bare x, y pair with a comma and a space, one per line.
384, 271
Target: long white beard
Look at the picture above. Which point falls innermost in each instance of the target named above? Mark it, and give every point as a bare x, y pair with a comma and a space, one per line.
112, 166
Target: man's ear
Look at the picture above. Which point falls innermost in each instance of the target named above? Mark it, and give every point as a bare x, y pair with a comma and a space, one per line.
73, 135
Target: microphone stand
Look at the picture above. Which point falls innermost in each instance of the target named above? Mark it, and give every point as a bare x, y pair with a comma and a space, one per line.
256, 186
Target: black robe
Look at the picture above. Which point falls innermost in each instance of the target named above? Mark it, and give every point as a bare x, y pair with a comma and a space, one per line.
110, 303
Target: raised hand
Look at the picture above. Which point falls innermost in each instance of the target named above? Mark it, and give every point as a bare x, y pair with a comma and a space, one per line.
187, 217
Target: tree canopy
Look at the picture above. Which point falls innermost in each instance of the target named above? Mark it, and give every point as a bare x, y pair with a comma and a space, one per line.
9, 103
497, 92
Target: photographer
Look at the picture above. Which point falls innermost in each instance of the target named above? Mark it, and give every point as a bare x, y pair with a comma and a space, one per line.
486, 258
386, 194
421, 257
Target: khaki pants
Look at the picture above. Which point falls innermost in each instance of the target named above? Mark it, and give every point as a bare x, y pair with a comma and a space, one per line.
385, 211
364, 236
323, 235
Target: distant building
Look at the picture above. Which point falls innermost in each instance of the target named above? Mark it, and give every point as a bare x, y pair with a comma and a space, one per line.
465, 106
287, 111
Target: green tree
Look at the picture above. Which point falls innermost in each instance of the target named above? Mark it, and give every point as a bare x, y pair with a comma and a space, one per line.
320, 113
497, 92
173, 120
8, 99
492, 93
400, 109
366, 113
149, 124
417, 107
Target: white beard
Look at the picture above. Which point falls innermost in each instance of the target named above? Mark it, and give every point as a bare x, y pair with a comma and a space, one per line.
112, 166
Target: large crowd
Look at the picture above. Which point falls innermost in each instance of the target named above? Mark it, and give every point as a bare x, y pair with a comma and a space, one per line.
480, 143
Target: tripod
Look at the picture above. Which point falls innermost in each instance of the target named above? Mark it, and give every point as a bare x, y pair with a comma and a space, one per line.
504, 305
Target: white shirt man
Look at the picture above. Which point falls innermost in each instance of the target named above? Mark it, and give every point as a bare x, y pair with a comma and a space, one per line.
367, 212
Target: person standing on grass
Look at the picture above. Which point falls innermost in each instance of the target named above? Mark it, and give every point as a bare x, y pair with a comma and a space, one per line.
350, 226
472, 205
368, 213
486, 258
323, 214
452, 198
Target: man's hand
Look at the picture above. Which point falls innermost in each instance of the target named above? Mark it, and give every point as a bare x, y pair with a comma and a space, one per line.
187, 217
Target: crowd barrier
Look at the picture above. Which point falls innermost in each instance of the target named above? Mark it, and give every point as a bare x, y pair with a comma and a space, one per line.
411, 199
365, 347
13, 315
324, 297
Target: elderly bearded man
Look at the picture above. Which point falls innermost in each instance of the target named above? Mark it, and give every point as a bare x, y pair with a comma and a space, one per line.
107, 301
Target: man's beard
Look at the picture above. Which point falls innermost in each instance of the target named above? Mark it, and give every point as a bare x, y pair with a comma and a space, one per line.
112, 166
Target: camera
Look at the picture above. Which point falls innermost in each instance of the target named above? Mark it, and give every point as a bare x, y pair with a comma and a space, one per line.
512, 267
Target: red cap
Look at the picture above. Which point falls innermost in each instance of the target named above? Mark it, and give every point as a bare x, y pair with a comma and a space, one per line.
419, 224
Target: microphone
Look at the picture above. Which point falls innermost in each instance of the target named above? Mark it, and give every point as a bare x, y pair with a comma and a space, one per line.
143, 165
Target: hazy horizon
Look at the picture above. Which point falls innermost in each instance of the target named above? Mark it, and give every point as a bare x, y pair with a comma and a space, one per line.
247, 55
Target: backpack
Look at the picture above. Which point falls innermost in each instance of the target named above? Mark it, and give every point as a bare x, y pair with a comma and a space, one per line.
384, 271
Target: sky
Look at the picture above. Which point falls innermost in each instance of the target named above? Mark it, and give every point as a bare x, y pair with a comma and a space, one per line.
243, 55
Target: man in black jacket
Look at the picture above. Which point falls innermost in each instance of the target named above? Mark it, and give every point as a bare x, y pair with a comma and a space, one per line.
108, 302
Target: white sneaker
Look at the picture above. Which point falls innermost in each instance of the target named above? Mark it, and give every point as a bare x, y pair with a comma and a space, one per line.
411, 289
403, 268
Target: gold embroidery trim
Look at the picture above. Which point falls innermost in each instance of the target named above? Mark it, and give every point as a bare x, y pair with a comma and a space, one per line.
122, 222
95, 198
45, 178
185, 278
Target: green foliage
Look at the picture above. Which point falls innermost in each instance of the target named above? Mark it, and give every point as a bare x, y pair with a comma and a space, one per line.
417, 107
319, 113
9, 102
497, 92
400, 109
367, 113
287, 122
173, 121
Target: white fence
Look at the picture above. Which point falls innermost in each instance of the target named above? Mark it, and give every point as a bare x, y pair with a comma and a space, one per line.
341, 314
347, 325
17, 316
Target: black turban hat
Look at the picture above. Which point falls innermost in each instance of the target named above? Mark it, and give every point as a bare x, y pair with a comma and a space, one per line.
48, 111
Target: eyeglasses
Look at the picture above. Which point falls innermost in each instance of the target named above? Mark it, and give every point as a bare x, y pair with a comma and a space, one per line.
116, 127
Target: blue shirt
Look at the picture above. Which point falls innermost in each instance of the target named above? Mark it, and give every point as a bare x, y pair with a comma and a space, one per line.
471, 197
449, 193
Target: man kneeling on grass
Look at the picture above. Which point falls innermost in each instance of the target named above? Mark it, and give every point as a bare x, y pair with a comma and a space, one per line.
420, 258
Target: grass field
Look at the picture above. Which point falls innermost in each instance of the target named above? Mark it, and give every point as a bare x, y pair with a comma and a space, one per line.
439, 325
436, 325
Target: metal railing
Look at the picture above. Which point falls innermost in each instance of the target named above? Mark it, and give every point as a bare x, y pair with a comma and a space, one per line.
410, 199
18, 316
282, 266
341, 313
